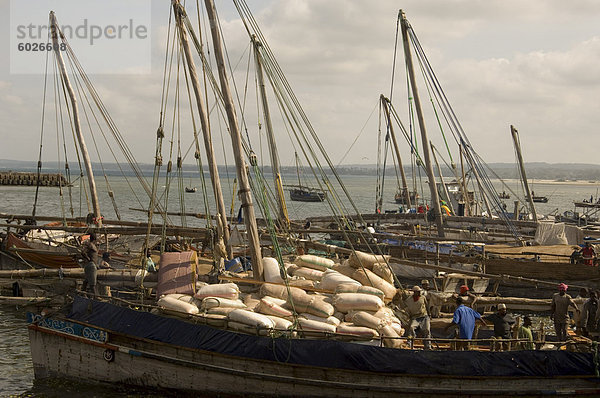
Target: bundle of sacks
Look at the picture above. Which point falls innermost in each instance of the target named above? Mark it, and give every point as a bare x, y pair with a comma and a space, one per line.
354, 305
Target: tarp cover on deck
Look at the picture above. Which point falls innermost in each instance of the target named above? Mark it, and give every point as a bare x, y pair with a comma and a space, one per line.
328, 353
549, 233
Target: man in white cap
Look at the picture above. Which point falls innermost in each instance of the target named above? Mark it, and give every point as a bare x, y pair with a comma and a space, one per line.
503, 322
417, 308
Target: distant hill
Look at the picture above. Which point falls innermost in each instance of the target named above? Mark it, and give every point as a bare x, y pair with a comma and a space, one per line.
535, 170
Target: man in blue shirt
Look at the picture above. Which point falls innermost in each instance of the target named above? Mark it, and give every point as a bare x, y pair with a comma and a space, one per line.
465, 318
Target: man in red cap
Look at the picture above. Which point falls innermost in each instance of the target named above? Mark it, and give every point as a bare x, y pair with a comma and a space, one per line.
559, 311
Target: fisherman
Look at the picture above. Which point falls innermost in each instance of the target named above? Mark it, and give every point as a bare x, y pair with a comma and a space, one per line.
465, 318
559, 311
417, 308
588, 253
89, 252
525, 333
503, 323
590, 314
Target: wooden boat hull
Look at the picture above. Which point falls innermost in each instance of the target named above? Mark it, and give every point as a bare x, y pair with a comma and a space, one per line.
44, 255
301, 195
78, 350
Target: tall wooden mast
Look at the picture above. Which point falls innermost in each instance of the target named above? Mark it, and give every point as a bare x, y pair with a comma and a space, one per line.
222, 229
84, 152
236, 140
386, 103
515, 137
282, 209
435, 199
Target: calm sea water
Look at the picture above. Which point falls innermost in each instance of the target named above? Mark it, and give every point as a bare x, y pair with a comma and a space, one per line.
16, 372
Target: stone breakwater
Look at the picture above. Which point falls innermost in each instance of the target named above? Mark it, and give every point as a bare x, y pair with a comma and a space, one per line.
23, 178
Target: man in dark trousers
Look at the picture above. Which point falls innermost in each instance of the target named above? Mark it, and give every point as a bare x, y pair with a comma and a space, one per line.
503, 322
89, 251
559, 311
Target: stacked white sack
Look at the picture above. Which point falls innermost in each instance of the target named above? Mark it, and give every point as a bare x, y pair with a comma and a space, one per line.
345, 302
251, 319
314, 262
171, 302
332, 279
224, 290
271, 270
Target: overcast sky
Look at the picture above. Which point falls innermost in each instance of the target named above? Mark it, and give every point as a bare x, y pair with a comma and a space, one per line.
534, 64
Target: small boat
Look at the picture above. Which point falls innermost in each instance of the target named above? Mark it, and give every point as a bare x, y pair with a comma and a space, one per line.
303, 193
540, 199
190, 190
300, 193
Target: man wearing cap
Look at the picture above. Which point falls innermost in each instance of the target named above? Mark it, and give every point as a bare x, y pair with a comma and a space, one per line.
502, 321
559, 311
417, 308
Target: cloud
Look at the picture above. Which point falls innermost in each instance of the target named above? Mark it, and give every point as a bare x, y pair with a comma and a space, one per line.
532, 64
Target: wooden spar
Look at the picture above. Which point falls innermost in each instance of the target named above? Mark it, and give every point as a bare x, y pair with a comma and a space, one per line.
480, 185
435, 199
84, 152
236, 140
278, 185
445, 188
222, 229
386, 103
515, 137
463, 184
126, 275
141, 229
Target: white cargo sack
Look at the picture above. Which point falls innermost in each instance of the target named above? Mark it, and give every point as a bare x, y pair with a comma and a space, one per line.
316, 326
268, 306
352, 288
331, 279
360, 259
307, 273
330, 319
251, 319
359, 331
314, 262
345, 302
213, 302
368, 278
171, 303
280, 323
271, 270
224, 290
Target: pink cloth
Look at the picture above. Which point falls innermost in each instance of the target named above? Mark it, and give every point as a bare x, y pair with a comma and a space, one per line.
562, 286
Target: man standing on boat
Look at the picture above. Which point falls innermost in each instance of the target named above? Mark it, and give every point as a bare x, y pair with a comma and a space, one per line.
465, 318
559, 308
589, 255
590, 314
503, 322
89, 251
418, 309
